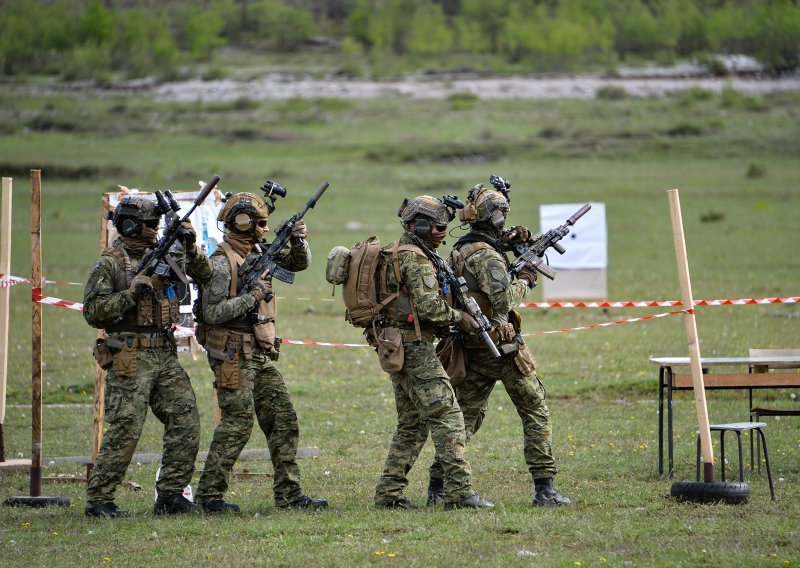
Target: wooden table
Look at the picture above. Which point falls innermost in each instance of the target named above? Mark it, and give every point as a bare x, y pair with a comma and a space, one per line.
744, 379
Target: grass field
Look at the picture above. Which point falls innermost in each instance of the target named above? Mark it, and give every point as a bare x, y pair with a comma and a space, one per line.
735, 160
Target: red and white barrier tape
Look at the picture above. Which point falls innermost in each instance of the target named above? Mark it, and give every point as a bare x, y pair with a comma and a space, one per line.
37, 297
657, 304
8, 280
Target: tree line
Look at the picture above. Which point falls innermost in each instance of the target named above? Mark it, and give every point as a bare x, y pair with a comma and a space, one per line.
80, 39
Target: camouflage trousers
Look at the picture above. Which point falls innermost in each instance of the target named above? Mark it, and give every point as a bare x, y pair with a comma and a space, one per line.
273, 408
163, 385
425, 402
526, 393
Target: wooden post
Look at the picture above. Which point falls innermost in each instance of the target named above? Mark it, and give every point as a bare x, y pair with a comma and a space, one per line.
5, 269
36, 376
691, 334
99, 373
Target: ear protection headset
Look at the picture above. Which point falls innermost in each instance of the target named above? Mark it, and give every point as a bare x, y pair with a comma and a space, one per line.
131, 227
469, 214
422, 228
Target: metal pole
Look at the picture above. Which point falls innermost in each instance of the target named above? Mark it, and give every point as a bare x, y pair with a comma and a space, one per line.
691, 334
5, 269
36, 376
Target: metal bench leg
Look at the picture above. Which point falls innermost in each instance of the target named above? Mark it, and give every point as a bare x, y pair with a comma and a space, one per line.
741, 455
758, 446
766, 459
698, 457
722, 453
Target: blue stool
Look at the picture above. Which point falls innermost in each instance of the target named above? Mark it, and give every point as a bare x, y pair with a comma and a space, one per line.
738, 427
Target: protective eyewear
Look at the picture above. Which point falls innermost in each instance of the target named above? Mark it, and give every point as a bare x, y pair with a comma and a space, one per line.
262, 223
151, 223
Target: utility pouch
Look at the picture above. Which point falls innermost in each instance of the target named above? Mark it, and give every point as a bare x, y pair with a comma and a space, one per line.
216, 342
524, 358
390, 349
265, 334
124, 361
453, 356
102, 354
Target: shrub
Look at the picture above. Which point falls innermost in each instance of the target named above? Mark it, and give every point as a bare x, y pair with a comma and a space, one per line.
756, 171
463, 101
611, 93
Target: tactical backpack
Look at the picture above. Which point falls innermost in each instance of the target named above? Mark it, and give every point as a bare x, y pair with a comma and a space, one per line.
356, 269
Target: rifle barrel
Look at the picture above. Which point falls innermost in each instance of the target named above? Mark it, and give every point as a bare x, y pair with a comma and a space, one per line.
578, 214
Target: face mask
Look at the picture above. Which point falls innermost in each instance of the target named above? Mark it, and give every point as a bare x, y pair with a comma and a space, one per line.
437, 240
498, 219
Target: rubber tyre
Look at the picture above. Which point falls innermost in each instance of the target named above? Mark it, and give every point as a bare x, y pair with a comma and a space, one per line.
36, 502
711, 492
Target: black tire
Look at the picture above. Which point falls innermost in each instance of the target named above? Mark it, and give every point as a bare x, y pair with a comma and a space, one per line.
711, 491
36, 502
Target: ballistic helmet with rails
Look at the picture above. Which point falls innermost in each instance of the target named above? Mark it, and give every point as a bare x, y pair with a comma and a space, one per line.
421, 213
485, 205
131, 213
242, 211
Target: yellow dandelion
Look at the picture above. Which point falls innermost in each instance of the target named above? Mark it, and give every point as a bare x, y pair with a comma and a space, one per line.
571, 453
391, 555
106, 559
26, 524
55, 533
379, 553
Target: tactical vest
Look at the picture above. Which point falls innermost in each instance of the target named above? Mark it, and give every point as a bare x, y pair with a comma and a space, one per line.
267, 311
154, 311
458, 260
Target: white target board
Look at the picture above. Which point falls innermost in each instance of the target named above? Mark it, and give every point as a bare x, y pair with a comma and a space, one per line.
582, 268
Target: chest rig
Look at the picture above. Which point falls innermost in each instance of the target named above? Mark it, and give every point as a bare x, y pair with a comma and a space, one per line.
159, 309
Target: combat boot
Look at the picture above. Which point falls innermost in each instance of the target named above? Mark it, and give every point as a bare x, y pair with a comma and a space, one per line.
435, 492
108, 510
399, 503
173, 504
216, 506
471, 502
305, 502
545, 495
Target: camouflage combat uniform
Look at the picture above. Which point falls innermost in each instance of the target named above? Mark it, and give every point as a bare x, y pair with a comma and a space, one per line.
424, 398
486, 272
156, 380
261, 387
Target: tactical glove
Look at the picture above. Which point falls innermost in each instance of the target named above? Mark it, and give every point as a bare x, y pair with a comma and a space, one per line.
260, 290
299, 231
529, 275
468, 323
187, 236
518, 234
140, 286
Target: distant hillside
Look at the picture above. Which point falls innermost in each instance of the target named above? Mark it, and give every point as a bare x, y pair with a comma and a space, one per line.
113, 39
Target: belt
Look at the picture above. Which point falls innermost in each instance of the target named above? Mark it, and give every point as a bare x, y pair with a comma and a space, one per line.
137, 340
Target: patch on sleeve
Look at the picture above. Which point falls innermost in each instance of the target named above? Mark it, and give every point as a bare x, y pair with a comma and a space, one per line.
429, 280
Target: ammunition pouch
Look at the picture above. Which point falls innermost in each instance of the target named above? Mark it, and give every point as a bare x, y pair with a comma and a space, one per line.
227, 347
123, 347
159, 308
453, 356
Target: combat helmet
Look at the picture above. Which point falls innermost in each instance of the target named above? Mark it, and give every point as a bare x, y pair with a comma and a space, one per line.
242, 211
131, 213
485, 205
422, 212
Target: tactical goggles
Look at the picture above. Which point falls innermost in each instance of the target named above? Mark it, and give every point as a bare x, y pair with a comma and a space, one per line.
151, 223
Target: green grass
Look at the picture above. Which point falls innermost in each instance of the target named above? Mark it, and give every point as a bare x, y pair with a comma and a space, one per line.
741, 233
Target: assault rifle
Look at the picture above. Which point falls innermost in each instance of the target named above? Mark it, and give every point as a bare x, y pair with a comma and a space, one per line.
157, 260
530, 252
256, 265
448, 280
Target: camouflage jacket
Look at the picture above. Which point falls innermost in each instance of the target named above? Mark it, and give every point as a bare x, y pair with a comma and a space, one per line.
488, 272
420, 286
218, 306
106, 297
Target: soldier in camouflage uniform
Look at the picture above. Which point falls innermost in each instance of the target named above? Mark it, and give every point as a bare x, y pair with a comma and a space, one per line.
424, 399
480, 257
137, 312
238, 332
